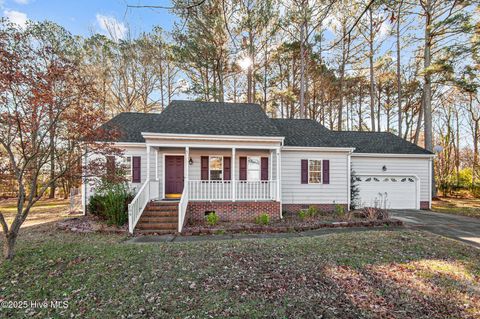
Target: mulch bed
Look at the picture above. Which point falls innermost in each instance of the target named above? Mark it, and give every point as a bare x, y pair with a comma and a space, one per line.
282, 226
90, 224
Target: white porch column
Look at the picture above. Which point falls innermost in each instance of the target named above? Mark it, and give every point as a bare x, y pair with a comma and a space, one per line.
148, 162
232, 173
186, 170
156, 164
270, 175
279, 177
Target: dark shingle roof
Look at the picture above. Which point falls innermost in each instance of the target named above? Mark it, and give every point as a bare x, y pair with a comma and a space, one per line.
241, 119
377, 142
310, 133
307, 133
190, 117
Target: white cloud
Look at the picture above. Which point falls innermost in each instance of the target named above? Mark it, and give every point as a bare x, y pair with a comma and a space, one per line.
22, 1
16, 17
112, 27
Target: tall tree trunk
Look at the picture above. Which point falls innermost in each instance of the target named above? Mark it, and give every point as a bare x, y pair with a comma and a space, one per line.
399, 77
302, 70
427, 90
372, 76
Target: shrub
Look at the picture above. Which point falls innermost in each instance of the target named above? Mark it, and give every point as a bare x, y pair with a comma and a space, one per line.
262, 219
302, 214
339, 211
212, 219
312, 211
374, 213
111, 202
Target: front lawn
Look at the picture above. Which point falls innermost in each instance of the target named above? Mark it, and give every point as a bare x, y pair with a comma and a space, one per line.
44, 211
457, 206
371, 274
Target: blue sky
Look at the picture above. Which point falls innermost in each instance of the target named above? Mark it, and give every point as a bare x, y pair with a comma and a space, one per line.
84, 17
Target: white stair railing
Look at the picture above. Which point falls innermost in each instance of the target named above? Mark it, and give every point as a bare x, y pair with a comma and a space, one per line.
138, 204
182, 207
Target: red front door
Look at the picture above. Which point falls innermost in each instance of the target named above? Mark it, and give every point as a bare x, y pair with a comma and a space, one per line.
173, 176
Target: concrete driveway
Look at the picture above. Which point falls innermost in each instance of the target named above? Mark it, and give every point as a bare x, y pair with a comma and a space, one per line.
462, 228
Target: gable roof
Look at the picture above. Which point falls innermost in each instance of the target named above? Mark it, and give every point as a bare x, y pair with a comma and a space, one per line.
310, 133
191, 117
243, 119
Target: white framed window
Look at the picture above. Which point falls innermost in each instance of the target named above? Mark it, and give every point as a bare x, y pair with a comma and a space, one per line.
215, 168
314, 171
253, 168
127, 165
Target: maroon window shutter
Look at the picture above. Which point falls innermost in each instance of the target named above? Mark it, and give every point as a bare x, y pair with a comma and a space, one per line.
304, 172
204, 168
243, 168
110, 166
326, 171
264, 168
226, 168
136, 169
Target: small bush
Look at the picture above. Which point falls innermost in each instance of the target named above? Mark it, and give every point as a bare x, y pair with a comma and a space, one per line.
262, 219
312, 211
302, 214
374, 213
212, 219
339, 211
111, 202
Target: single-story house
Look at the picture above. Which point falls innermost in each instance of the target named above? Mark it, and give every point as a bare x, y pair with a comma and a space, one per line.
231, 158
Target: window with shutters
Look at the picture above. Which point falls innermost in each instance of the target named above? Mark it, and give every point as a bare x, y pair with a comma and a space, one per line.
314, 171
216, 168
253, 168
128, 168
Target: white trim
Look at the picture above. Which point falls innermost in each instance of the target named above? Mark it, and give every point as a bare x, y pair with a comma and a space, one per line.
430, 177
349, 177
163, 169
417, 183
213, 137
148, 162
279, 179
129, 144
317, 149
156, 164
393, 155
232, 174
214, 146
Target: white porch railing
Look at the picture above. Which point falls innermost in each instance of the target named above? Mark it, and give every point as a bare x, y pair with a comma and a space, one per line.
182, 208
148, 191
255, 190
223, 190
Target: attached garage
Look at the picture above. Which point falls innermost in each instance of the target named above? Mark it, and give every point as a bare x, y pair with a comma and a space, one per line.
388, 191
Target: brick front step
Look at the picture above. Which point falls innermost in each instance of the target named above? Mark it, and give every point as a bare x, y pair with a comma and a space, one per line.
150, 213
159, 217
155, 231
164, 226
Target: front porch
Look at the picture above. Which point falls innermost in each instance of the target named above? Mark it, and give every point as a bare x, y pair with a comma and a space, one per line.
213, 178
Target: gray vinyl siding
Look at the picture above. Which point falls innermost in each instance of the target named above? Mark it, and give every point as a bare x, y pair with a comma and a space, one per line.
294, 192
396, 165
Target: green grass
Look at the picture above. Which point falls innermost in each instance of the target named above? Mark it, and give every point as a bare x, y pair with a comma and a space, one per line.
458, 206
373, 274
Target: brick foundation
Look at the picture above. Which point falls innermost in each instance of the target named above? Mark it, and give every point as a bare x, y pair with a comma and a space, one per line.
424, 205
232, 211
295, 208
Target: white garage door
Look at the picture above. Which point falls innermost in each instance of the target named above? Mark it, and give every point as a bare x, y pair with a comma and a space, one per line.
395, 192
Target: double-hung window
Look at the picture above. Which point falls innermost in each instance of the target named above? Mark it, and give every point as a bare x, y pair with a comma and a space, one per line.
216, 168
314, 171
127, 167
253, 168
